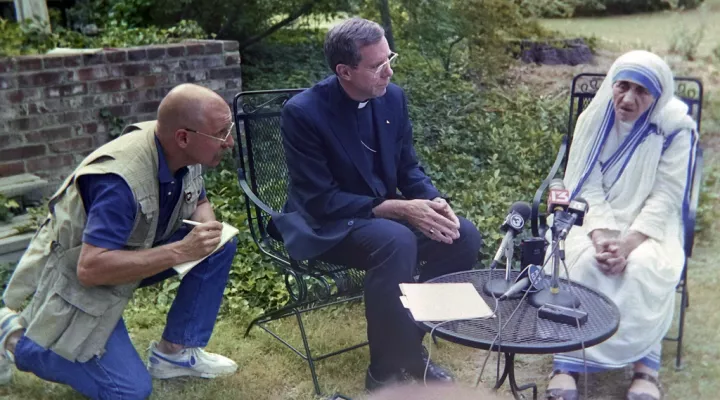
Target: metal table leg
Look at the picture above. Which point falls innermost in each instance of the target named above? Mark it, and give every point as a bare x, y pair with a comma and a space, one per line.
509, 372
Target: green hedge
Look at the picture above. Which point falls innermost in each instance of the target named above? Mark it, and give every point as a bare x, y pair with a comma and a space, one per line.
575, 8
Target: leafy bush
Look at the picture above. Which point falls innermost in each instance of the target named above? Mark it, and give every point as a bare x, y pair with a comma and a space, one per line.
29, 37
571, 8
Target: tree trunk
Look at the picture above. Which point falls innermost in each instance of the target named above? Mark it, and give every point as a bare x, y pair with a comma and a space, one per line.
305, 9
387, 22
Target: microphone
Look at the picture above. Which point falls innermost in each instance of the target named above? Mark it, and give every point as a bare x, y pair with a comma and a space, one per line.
558, 196
573, 216
532, 279
513, 225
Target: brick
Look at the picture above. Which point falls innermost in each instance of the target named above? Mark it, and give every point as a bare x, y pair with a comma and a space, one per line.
49, 135
8, 82
7, 65
146, 107
110, 99
141, 82
93, 59
72, 145
72, 89
176, 50
41, 79
29, 63
213, 47
116, 56
190, 77
225, 73
132, 70
213, 62
108, 85
122, 110
69, 117
53, 62
49, 163
10, 140
137, 54
91, 73
21, 153
195, 49
22, 124
233, 59
73, 61
140, 95
90, 128
23, 96
156, 53
13, 111
230, 45
11, 168
232, 84
161, 69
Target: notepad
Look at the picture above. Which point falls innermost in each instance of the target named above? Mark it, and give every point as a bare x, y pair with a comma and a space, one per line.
443, 301
228, 232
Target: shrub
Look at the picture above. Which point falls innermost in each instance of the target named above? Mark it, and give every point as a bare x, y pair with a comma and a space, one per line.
685, 41
29, 37
571, 8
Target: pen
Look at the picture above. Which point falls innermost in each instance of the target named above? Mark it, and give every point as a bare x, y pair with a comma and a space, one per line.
193, 223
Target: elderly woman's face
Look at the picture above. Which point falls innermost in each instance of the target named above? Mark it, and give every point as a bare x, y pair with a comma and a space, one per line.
630, 100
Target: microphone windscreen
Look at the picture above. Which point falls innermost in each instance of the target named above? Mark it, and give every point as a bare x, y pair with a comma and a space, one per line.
557, 183
523, 208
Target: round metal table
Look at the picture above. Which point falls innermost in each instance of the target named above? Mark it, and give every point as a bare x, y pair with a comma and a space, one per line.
525, 333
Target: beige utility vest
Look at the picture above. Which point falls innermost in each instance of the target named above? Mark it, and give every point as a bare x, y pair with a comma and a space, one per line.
64, 316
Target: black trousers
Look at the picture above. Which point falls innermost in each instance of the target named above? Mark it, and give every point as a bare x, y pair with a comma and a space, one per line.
389, 252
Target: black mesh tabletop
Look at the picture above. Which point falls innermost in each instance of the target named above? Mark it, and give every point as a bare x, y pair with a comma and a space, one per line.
525, 332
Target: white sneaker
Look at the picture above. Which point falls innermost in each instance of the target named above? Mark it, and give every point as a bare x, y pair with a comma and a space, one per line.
192, 361
9, 323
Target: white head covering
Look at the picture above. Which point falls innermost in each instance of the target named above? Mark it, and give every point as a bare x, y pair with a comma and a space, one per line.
666, 116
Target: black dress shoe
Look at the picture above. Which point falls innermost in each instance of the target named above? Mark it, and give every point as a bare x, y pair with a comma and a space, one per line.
435, 373
372, 383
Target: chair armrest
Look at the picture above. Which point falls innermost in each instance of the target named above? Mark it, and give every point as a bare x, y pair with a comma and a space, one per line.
535, 212
690, 218
251, 195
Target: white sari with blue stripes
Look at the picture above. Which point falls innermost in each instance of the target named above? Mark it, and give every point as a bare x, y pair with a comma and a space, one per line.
640, 185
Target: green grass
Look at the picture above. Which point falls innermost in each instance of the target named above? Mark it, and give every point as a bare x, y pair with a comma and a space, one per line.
651, 31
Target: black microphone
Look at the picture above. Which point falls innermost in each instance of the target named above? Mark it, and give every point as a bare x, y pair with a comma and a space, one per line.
513, 225
573, 216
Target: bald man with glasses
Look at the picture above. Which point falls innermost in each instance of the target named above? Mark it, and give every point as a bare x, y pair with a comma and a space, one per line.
116, 224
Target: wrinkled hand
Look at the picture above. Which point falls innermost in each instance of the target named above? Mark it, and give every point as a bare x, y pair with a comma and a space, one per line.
201, 240
428, 217
607, 246
447, 211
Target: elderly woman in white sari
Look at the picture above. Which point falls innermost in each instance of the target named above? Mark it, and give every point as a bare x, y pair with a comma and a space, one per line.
631, 158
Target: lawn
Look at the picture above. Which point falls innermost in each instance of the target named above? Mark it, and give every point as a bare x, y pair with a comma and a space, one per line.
269, 371
652, 31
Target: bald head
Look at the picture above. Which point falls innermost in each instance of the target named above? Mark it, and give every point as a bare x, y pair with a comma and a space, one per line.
189, 106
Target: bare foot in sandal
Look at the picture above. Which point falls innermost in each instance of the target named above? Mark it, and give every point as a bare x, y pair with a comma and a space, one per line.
645, 385
562, 385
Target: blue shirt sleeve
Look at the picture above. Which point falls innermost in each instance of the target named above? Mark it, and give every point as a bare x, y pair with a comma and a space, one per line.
110, 208
203, 195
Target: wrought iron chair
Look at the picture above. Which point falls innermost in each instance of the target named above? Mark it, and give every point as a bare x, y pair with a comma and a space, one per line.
263, 177
584, 87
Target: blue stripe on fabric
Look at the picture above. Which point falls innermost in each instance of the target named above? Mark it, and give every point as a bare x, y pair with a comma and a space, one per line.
641, 138
669, 139
642, 76
605, 127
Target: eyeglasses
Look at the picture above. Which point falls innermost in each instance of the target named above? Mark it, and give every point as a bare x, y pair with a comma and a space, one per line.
390, 61
222, 139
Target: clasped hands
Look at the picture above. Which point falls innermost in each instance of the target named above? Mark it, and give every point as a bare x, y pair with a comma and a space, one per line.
435, 218
612, 251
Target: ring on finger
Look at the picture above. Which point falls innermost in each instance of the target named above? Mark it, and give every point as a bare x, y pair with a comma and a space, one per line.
432, 231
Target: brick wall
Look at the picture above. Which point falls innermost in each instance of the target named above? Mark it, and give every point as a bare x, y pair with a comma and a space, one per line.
51, 105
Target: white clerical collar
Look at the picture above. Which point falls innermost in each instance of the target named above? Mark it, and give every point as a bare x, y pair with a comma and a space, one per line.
362, 105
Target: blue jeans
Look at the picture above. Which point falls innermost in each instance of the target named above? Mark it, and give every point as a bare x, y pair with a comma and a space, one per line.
120, 373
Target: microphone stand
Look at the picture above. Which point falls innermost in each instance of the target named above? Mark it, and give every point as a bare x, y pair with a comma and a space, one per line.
553, 295
497, 287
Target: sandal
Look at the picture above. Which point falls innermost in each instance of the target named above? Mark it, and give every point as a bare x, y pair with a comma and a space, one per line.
646, 396
565, 394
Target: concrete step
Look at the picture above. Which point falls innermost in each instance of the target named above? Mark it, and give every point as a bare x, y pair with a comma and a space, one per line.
18, 185
17, 243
